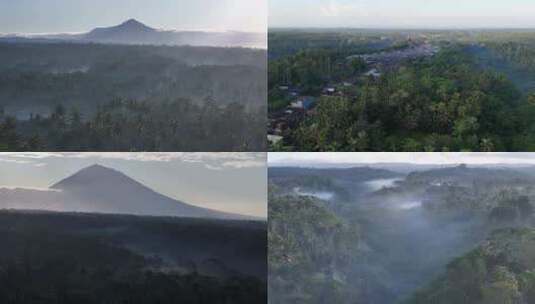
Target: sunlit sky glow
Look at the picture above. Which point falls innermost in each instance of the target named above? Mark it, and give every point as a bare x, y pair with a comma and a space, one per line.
402, 14
230, 182
335, 159
61, 16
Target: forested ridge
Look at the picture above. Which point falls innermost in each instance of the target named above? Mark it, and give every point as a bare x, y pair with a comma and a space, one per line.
442, 105
79, 97
308, 247
94, 258
498, 271
458, 234
129, 125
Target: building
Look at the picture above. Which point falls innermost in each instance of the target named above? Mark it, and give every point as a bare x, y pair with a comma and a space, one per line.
373, 72
329, 90
305, 103
274, 139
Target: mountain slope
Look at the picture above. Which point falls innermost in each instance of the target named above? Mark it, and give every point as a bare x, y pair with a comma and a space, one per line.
127, 32
103, 190
498, 271
310, 251
90, 258
464, 174
136, 33
355, 174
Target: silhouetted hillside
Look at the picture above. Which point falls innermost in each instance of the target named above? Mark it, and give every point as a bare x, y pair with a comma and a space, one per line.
94, 258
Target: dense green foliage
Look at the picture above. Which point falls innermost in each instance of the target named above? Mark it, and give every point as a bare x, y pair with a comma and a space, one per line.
129, 125
284, 43
67, 258
311, 70
476, 94
309, 247
67, 96
440, 105
498, 271
408, 234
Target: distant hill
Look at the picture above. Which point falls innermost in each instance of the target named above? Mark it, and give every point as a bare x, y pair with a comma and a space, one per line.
356, 174
126, 32
104, 190
466, 174
135, 32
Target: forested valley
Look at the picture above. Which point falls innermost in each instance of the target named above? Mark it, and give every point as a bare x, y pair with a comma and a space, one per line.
105, 97
402, 234
95, 258
401, 91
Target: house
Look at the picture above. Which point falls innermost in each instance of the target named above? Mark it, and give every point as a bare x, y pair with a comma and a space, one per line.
305, 103
284, 88
298, 104
329, 90
274, 139
373, 72
308, 102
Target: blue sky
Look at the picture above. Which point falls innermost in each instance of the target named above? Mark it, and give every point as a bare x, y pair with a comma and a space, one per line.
402, 13
231, 182
52, 16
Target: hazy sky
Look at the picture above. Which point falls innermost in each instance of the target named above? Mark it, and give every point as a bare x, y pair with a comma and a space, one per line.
52, 16
231, 182
402, 13
314, 159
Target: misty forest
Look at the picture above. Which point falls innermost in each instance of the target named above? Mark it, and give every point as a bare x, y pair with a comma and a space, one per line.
400, 233
132, 88
99, 236
395, 90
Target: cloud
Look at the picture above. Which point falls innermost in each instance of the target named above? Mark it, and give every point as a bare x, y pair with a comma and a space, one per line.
337, 9
27, 155
234, 160
16, 161
213, 161
311, 159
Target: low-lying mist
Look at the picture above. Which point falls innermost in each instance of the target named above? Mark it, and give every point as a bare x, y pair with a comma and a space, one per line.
410, 228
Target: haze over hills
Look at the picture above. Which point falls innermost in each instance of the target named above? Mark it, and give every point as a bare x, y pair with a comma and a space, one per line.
104, 190
195, 98
420, 237
354, 173
133, 32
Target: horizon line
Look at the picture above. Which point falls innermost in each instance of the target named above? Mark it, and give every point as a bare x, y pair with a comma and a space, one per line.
394, 28
214, 30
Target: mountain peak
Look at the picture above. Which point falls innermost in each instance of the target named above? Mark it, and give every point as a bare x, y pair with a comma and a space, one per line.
134, 24
95, 174
129, 30
104, 190
98, 167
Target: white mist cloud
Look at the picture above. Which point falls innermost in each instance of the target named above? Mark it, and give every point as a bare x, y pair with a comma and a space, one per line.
311, 159
213, 161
